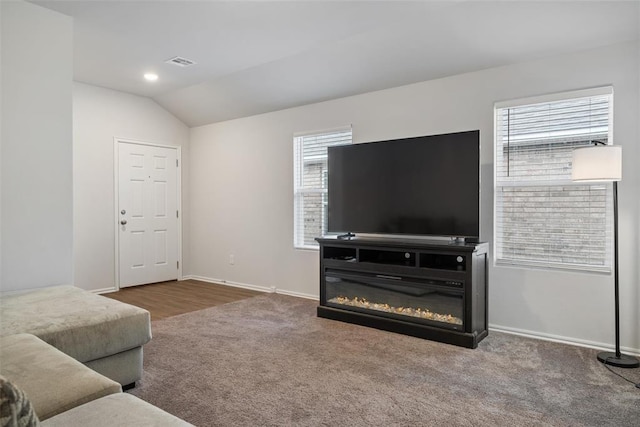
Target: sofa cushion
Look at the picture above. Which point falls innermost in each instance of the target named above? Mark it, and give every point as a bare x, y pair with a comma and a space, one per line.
79, 323
15, 408
53, 381
120, 409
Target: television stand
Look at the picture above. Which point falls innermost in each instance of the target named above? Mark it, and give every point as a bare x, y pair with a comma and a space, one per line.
429, 289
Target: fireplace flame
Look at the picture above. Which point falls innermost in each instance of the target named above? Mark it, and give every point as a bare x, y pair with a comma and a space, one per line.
406, 311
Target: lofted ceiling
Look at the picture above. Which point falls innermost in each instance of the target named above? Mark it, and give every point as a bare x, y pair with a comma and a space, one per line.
259, 56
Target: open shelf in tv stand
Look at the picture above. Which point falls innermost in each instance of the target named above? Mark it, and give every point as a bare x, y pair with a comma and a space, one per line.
446, 266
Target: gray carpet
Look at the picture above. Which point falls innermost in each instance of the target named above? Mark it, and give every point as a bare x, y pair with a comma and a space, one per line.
269, 361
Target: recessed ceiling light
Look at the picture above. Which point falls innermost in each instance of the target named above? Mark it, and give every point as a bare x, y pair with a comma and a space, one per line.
151, 77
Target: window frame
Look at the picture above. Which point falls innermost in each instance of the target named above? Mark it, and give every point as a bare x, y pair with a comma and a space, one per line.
497, 185
299, 191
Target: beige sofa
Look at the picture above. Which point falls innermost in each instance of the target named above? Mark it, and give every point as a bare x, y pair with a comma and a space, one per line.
63, 392
104, 334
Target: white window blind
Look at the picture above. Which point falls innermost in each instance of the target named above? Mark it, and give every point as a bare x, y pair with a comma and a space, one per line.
310, 183
542, 218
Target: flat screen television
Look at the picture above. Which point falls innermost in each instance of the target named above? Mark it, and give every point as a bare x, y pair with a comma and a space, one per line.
421, 186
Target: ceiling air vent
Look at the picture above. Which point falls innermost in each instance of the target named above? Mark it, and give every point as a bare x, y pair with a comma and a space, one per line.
180, 61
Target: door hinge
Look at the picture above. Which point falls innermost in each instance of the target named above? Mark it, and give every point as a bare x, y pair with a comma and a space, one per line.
177, 216
176, 162
177, 264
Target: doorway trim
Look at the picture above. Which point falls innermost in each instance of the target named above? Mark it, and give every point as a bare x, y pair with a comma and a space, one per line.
116, 194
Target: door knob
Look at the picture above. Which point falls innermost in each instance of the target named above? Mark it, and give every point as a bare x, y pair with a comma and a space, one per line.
123, 222
123, 212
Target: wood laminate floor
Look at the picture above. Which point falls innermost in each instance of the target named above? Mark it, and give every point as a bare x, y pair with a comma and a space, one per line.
168, 299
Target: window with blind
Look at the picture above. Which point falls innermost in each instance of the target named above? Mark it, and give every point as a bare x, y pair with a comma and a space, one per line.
542, 218
310, 183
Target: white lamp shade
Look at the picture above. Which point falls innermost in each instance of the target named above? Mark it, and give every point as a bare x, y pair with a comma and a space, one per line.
597, 163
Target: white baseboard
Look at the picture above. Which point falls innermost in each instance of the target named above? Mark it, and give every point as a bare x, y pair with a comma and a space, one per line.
23, 291
498, 328
230, 283
561, 339
298, 294
269, 289
104, 290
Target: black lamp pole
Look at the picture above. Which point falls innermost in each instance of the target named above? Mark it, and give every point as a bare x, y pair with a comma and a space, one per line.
610, 358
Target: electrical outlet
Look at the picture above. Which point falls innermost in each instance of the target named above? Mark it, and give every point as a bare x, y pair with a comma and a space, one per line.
232, 259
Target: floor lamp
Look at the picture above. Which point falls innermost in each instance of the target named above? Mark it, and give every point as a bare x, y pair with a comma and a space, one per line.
603, 163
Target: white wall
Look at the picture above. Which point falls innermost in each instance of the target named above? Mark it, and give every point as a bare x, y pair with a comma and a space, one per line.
99, 115
36, 147
242, 191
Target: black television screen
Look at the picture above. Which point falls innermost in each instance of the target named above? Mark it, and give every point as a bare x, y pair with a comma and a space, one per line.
427, 185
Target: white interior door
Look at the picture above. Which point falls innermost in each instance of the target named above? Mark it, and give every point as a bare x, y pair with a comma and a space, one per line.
147, 214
